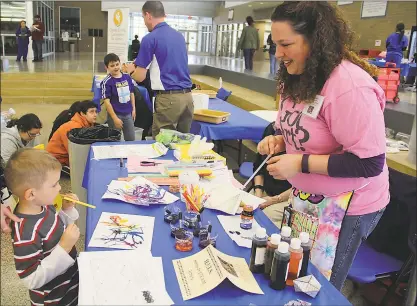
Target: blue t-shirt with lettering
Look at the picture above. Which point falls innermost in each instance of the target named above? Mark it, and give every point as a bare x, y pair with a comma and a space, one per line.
164, 52
118, 90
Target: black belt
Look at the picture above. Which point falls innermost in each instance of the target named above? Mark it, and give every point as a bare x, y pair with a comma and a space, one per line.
170, 92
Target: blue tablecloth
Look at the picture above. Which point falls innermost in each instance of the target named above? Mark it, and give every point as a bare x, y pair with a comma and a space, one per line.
407, 70
241, 124
101, 172
95, 88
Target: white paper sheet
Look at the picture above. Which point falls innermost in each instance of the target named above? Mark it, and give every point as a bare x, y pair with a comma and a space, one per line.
242, 237
227, 198
138, 191
121, 231
123, 151
121, 278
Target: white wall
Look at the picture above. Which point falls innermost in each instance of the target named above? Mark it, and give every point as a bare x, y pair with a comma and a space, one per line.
192, 8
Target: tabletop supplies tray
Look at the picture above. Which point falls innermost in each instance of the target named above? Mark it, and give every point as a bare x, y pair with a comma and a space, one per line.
211, 116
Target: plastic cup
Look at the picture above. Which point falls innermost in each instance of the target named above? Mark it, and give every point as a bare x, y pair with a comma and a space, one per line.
184, 241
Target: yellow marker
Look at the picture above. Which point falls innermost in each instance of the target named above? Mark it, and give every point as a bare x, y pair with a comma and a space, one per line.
59, 198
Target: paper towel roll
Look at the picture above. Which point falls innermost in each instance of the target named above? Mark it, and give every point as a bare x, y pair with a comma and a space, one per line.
201, 101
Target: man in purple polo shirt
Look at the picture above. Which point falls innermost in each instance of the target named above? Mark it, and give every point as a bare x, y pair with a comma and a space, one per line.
164, 53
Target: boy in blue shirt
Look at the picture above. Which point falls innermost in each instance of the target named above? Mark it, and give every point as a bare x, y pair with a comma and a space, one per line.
117, 92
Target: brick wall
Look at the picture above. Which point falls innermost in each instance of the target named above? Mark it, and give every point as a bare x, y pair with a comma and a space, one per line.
378, 28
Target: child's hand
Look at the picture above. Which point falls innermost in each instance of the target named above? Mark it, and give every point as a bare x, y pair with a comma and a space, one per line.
66, 204
118, 124
69, 237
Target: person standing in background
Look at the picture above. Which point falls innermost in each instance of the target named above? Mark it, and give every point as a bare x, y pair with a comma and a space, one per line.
396, 44
164, 53
135, 47
249, 42
273, 63
38, 30
22, 37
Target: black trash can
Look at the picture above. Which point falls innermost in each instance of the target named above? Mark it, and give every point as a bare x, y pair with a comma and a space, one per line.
79, 143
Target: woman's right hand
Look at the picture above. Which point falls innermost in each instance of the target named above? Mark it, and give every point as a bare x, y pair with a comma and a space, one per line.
271, 145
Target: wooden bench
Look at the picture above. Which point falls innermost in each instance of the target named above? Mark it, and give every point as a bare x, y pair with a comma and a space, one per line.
241, 97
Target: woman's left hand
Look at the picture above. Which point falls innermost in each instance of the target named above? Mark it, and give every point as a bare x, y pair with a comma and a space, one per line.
66, 204
284, 166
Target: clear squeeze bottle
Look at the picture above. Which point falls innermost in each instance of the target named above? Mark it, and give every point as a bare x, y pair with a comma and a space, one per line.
280, 265
271, 246
257, 256
296, 257
306, 245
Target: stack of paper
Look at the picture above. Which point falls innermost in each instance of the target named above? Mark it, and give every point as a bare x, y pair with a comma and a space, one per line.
123, 151
242, 237
121, 278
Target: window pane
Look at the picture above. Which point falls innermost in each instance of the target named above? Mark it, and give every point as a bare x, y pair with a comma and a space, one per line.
69, 20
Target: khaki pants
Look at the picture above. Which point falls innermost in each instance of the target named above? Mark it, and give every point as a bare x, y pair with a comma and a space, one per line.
275, 211
173, 112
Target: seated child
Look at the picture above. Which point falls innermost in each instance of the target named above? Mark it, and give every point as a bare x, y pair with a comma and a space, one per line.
64, 117
118, 96
85, 117
44, 239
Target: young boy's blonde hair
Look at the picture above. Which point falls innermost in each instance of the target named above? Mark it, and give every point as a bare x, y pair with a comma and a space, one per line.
28, 168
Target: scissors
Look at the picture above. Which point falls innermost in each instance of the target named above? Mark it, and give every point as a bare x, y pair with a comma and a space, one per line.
149, 163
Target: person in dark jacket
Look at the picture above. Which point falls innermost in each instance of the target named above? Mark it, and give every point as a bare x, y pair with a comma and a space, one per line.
135, 47
22, 37
38, 30
273, 63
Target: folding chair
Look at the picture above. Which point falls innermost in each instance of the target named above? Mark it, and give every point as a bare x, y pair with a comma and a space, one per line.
223, 94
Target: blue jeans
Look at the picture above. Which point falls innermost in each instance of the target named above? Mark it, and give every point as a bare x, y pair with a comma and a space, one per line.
273, 64
248, 55
37, 49
128, 126
355, 230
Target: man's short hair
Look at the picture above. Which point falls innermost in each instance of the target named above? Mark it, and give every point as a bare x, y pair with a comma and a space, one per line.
28, 168
155, 8
85, 105
111, 57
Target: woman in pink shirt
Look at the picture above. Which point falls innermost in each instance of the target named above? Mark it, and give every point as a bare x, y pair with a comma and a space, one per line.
331, 123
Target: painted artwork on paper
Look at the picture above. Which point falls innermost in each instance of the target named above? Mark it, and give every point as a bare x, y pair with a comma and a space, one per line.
122, 231
138, 191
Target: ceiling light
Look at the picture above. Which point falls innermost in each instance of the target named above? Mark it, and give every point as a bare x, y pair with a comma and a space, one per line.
250, 5
261, 3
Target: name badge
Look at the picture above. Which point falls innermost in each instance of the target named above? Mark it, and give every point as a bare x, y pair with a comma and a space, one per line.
312, 110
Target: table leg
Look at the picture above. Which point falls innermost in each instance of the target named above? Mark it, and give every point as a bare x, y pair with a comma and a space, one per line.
239, 152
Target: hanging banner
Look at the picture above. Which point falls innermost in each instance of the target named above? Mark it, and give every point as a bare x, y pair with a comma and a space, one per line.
118, 32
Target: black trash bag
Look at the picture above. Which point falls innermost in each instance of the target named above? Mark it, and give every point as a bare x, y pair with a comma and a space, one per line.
98, 133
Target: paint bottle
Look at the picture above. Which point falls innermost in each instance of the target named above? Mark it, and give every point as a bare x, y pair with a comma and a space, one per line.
246, 217
280, 264
296, 259
286, 234
306, 245
257, 256
271, 246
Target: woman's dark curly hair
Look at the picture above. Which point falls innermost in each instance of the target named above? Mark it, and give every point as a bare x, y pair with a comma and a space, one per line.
330, 39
